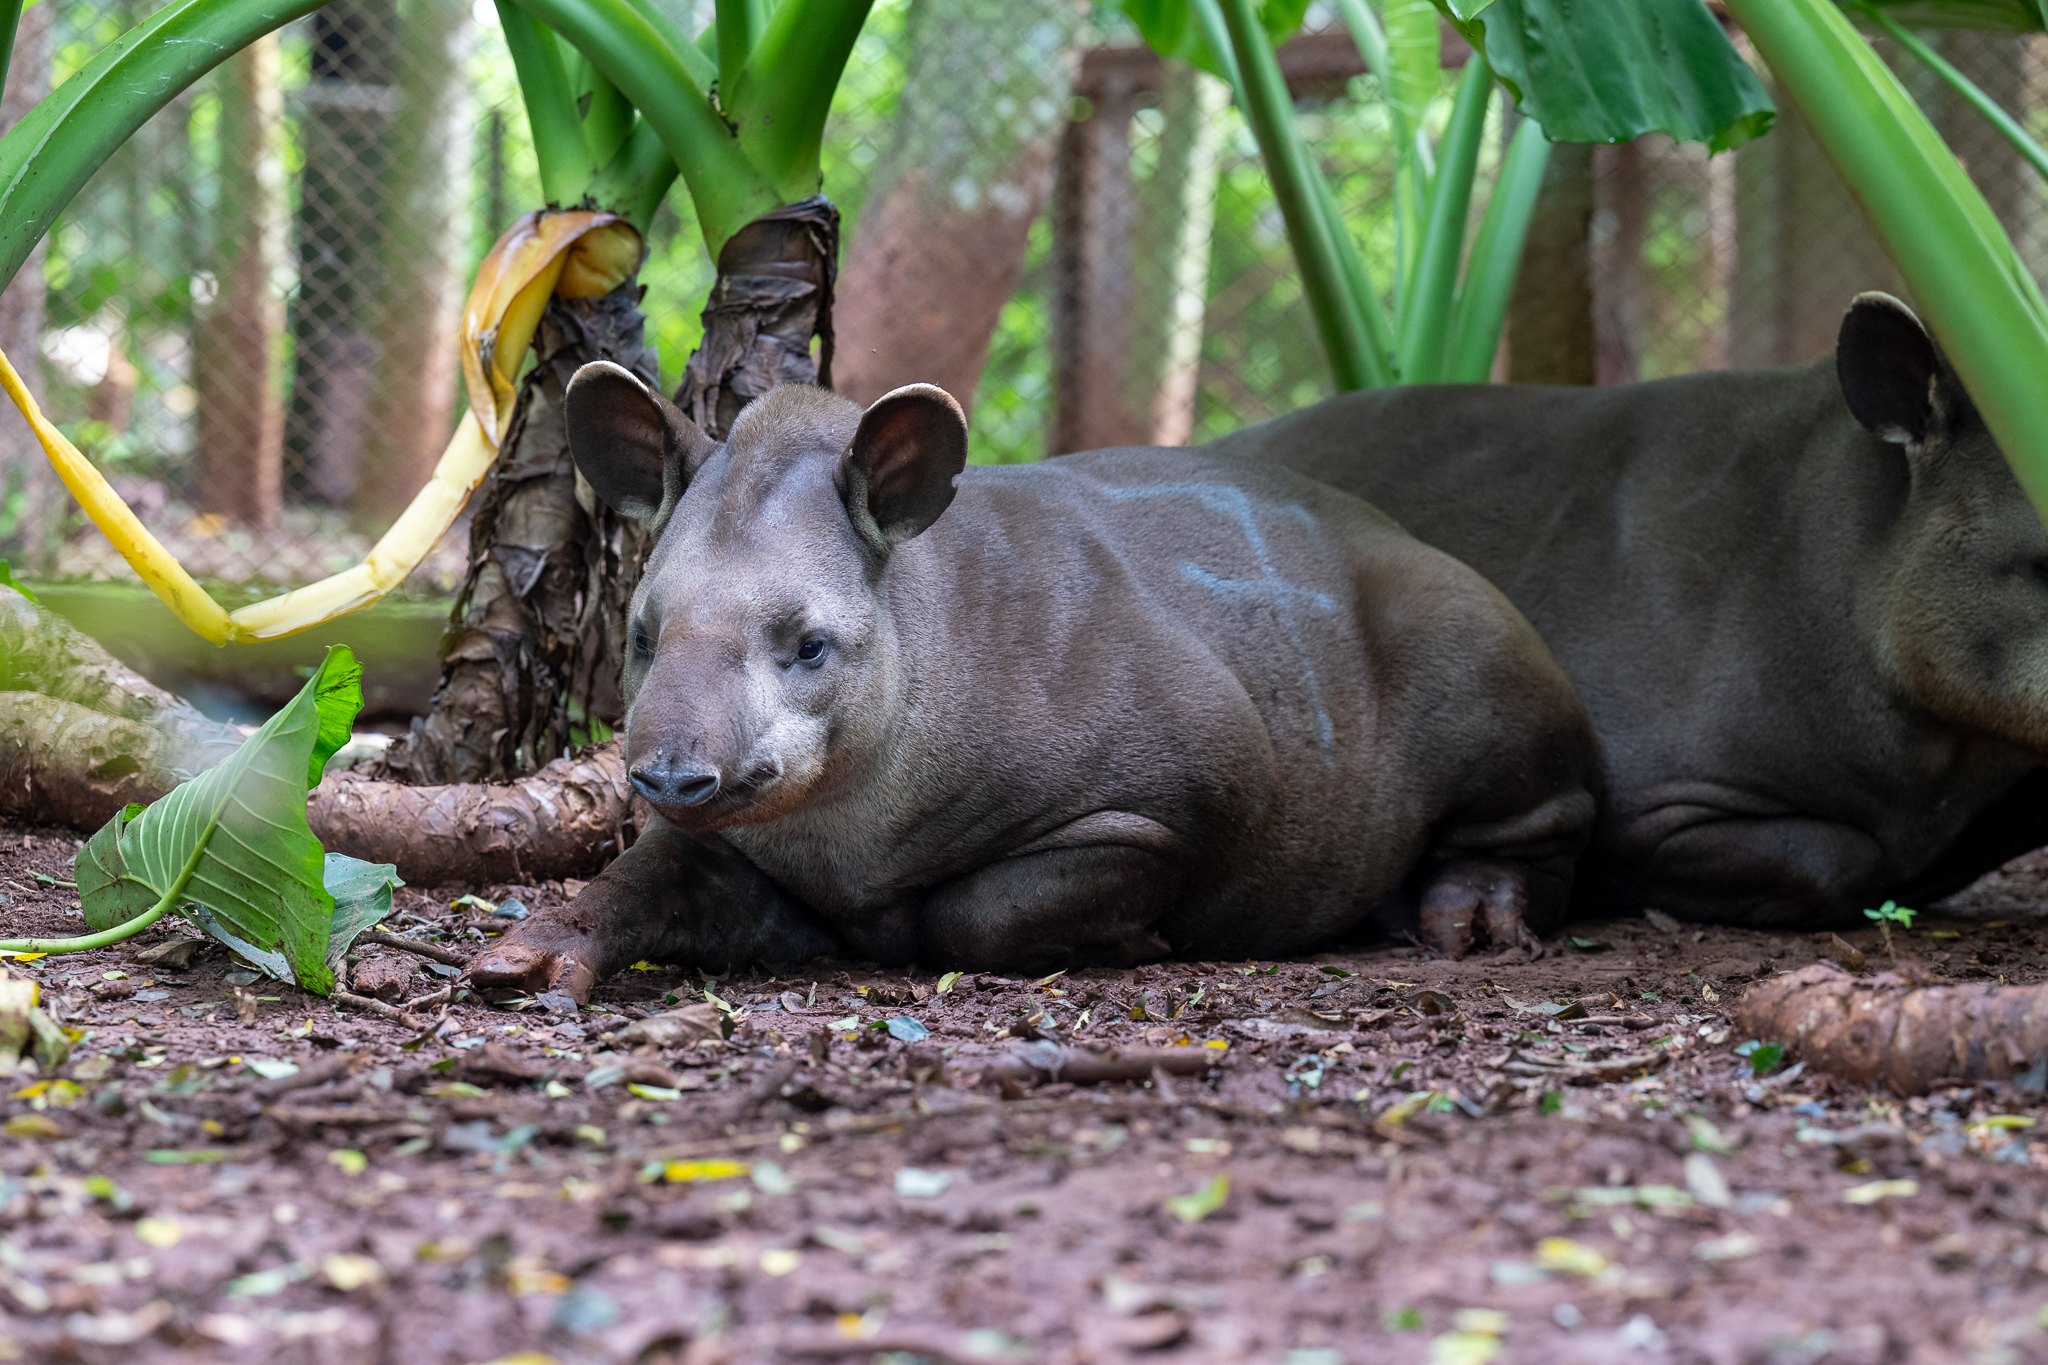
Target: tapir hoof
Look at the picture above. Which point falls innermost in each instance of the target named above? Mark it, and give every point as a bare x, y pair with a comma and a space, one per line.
532, 969
1469, 904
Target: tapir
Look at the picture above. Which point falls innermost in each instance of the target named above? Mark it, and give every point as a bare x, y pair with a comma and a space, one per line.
1092, 711
1807, 608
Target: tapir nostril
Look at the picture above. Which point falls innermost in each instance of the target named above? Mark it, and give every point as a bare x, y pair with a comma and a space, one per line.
665, 785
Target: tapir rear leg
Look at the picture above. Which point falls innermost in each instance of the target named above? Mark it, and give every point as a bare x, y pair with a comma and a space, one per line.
1502, 883
1065, 907
673, 896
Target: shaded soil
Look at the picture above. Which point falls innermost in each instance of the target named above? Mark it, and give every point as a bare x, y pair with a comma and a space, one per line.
1394, 1158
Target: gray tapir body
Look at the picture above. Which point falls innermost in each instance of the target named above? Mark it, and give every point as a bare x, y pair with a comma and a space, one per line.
1103, 708
1807, 609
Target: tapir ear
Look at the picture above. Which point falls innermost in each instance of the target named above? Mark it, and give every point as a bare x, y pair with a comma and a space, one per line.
1890, 370
911, 446
629, 441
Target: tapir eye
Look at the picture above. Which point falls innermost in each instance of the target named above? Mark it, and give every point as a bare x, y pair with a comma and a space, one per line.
811, 650
642, 642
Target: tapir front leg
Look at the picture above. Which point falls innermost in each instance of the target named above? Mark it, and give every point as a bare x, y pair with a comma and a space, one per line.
673, 896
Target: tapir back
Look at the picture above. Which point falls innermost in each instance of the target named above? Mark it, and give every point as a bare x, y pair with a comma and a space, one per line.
1269, 670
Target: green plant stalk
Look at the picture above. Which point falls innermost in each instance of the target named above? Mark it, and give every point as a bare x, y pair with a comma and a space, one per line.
1378, 356
780, 100
559, 146
699, 58
10, 24
635, 181
47, 157
1413, 164
1425, 315
1414, 55
728, 190
1271, 115
2035, 154
1983, 305
1481, 306
128, 928
1489, 283
739, 27
608, 119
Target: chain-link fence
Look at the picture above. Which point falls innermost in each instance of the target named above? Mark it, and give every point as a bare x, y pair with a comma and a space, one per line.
248, 317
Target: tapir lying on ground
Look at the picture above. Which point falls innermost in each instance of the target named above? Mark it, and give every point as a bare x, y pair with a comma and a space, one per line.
1807, 609
1090, 711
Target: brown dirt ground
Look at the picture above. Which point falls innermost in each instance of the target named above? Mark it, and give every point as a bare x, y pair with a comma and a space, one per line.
1411, 1176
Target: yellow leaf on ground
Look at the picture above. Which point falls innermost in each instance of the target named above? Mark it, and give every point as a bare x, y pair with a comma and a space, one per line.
678, 1172
1569, 1257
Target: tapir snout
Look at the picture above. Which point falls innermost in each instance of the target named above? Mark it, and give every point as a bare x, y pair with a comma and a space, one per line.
667, 780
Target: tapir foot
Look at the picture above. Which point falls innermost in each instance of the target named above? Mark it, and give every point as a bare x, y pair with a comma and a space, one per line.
535, 967
1473, 903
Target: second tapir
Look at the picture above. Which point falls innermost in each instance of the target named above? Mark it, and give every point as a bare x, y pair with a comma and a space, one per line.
1807, 608
1091, 711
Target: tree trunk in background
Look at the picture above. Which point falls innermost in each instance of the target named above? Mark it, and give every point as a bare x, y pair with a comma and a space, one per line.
538, 636
1094, 296
24, 471
941, 239
235, 361
1803, 248
1176, 213
1624, 185
426, 244
348, 105
1550, 314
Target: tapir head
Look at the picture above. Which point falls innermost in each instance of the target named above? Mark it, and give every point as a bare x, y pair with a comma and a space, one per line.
761, 657
1961, 597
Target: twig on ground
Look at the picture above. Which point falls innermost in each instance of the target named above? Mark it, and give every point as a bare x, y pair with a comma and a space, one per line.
1089, 1068
376, 1007
430, 999
310, 1074
413, 945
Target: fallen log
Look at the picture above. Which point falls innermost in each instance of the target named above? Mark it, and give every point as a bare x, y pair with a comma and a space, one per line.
82, 735
1896, 1029
567, 820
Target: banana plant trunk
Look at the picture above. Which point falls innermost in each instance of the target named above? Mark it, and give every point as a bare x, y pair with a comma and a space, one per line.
536, 643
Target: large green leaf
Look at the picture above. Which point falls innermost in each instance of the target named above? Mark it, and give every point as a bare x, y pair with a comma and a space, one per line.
362, 898
1606, 73
54, 149
1173, 32
234, 841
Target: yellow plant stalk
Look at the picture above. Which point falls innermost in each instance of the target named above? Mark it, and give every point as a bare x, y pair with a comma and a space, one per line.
154, 564
578, 254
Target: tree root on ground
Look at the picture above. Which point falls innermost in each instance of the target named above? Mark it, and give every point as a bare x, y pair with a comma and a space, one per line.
82, 735
63, 763
1897, 1029
569, 819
